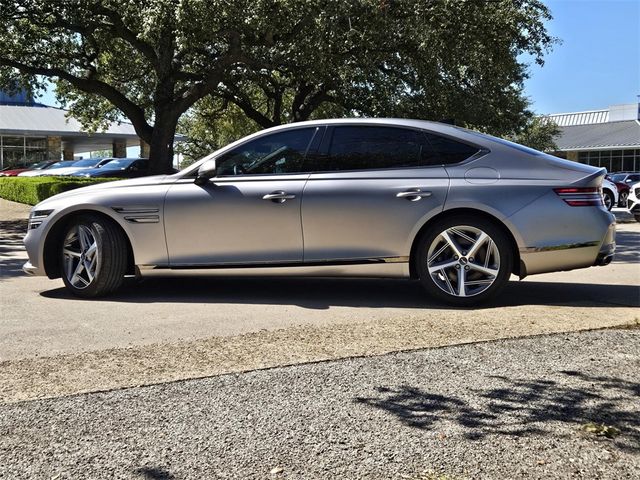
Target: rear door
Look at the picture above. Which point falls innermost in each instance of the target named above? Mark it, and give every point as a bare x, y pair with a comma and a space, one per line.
373, 188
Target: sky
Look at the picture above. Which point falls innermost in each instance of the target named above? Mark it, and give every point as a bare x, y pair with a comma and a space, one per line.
598, 62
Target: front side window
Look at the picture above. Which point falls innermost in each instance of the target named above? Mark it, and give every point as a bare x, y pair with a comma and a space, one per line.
282, 152
359, 148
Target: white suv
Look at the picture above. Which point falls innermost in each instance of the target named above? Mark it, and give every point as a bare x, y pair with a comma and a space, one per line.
633, 200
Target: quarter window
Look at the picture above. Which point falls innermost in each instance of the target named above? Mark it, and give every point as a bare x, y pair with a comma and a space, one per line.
445, 151
282, 152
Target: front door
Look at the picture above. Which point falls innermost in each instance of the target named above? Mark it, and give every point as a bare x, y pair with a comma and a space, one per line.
249, 213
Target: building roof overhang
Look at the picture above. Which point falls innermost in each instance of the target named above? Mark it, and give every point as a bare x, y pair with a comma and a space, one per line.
600, 136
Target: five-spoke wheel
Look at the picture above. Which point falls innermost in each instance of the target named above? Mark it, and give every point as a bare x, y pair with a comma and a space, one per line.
463, 261
80, 255
93, 256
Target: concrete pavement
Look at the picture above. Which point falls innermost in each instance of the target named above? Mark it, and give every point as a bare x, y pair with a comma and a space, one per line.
160, 330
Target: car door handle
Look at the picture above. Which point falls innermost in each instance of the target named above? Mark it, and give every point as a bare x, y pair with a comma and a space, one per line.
278, 197
413, 195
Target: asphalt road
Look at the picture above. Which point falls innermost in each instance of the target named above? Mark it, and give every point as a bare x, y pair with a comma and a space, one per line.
163, 330
534, 408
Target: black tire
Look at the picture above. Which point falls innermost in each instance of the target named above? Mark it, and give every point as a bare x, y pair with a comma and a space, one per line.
622, 201
505, 257
110, 256
608, 199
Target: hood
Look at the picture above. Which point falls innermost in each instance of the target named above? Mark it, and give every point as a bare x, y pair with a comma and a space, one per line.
13, 171
60, 171
134, 182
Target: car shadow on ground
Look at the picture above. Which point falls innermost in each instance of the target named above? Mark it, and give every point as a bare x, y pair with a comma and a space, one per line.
153, 473
627, 247
584, 402
11, 247
321, 293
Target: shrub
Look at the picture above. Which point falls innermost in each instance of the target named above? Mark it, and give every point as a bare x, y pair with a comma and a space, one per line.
32, 190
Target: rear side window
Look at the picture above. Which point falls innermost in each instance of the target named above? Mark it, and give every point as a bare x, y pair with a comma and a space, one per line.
359, 148
445, 151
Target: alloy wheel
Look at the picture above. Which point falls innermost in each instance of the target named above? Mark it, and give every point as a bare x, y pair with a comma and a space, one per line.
80, 256
463, 261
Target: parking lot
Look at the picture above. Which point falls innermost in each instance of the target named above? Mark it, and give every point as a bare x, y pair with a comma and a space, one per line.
161, 330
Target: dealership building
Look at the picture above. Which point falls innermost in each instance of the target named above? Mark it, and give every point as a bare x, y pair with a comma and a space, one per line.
607, 138
31, 132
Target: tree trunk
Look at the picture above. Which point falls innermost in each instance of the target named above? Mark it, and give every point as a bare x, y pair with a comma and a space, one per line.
161, 144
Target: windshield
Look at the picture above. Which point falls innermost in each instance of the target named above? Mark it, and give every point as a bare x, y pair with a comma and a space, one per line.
63, 164
618, 177
39, 165
117, 164
90, 162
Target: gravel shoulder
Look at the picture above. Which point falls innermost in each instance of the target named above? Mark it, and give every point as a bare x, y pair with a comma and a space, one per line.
522, 408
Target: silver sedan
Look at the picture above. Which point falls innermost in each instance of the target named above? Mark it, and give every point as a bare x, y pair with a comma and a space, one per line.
458, 210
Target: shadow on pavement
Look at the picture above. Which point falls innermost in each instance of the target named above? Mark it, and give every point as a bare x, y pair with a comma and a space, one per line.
521, 407
320, 293
152, 473
11, 247
627, 247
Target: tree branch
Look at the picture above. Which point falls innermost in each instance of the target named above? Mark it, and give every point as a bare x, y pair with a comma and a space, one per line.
130, 109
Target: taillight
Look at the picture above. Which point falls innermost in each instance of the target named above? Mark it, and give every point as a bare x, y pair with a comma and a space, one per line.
581, 196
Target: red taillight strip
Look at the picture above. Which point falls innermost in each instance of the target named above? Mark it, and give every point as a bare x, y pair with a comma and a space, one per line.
575, 190
585, 203
581, 196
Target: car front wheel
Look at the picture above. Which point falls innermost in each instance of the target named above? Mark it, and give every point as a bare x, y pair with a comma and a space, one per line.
93, 256
464, 261
622, 202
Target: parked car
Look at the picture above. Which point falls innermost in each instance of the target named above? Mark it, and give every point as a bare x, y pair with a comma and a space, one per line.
12, 172
351, 197
119, 168
633, 201
623, 191
622, 186
625, 177
77, 166
56, 167
609, 193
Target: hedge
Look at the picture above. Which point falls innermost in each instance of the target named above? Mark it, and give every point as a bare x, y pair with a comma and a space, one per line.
32, 190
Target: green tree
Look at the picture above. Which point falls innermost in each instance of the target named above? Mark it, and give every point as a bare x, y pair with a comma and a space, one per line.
146, 61
276, 61
538, 133
438, 59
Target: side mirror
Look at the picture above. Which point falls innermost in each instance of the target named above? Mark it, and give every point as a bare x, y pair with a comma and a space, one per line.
206, 171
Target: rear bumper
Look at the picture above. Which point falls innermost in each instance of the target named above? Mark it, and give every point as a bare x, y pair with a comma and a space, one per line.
570, 256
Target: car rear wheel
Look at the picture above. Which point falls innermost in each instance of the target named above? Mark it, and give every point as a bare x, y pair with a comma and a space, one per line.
463, 260
607, 196
93, 256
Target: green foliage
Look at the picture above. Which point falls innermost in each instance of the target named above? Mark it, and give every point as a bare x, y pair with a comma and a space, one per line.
538, 133
276, 61
214, 124
32, 190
